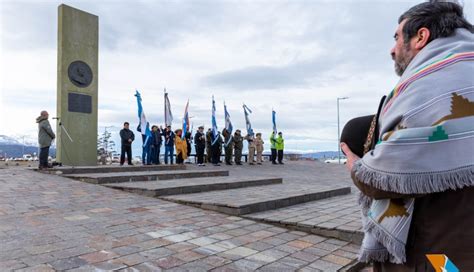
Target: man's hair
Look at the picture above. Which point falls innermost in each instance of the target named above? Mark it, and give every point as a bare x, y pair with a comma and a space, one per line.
154, 126
441, 18
126, 123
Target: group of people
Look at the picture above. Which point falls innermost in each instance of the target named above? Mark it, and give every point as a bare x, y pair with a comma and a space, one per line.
208, 146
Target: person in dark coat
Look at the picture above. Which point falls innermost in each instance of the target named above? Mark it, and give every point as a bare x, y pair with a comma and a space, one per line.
238, 146
127, 137
169, 145
200, 145
156, 141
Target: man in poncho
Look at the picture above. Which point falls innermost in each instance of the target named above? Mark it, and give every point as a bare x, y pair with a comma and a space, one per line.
417, 184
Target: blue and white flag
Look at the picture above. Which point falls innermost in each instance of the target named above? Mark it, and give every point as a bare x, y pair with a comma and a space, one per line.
247, 112
228, 124
185, 121
214, 123
274, 123
168, 114
144, 125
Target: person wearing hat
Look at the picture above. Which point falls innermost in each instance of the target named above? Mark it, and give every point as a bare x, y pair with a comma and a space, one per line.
200, 145
238, 146
280, 145
169, 144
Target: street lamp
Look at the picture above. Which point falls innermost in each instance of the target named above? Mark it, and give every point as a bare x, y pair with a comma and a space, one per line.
338, 134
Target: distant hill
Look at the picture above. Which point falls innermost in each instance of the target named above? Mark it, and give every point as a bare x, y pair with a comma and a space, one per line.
10, 147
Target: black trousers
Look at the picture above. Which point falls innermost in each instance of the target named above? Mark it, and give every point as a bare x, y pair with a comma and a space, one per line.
274, 154
200, 154
126, 149
280, 155
43, 156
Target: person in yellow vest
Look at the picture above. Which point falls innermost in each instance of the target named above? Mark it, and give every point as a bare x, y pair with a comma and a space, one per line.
181, 147
280, 145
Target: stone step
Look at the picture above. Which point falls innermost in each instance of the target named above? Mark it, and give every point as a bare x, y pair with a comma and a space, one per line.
337, 217
256, 199
102, 178
67, 170
193, 185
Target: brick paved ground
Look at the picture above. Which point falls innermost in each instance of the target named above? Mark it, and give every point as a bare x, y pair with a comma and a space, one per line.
52, 223
338, 217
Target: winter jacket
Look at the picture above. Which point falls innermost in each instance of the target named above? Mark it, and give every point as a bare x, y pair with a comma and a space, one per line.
280, 143
126, 134
45, 133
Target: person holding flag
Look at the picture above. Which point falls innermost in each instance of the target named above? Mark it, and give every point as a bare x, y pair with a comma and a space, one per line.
216, 139
228, 139
144, 128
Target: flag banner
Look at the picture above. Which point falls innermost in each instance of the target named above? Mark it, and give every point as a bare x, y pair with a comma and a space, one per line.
274, 123
168, 114
228, 124
144, 125
247, 112
214, 123
185, 121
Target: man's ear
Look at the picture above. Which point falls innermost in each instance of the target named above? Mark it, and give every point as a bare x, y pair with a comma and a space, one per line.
421, 38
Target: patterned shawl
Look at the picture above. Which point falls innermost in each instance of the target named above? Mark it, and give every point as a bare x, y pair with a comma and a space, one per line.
426, 142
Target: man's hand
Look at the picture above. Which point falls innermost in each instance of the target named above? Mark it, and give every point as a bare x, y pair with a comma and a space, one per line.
351, 157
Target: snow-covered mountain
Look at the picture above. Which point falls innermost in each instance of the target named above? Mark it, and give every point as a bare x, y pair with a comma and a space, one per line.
11, 146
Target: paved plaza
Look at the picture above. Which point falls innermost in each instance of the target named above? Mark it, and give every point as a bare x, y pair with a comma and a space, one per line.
53, 223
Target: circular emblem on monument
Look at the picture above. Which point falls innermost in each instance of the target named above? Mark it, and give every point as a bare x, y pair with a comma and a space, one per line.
80, 74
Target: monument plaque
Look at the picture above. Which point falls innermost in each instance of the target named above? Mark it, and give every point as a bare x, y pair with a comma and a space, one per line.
77, 90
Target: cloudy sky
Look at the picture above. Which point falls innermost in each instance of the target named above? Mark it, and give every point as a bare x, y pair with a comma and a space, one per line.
296, 57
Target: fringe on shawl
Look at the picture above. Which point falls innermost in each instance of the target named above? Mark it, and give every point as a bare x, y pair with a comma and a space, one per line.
415, 183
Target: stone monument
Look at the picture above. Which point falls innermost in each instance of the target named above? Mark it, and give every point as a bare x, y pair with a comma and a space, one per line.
77, 89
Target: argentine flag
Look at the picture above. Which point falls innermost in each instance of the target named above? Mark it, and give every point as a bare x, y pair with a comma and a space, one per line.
144, 125
228, 124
